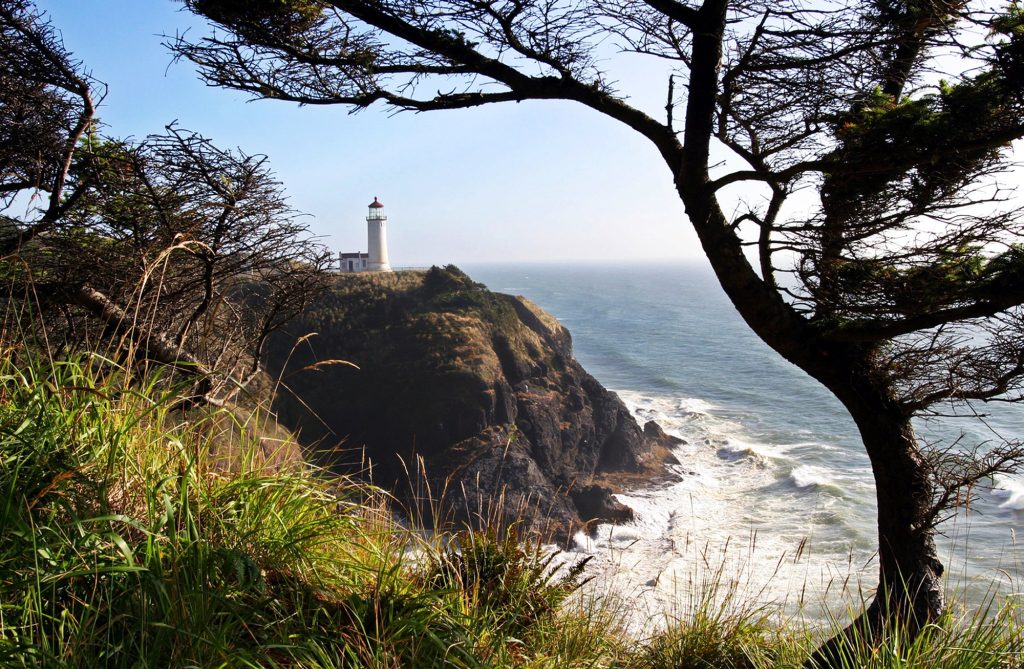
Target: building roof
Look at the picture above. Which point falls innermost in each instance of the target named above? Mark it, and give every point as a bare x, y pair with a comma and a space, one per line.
376, 204
355, 255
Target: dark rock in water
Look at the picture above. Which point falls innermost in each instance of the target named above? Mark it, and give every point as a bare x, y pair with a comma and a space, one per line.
595, 503
472, 394
653, 431
665, 442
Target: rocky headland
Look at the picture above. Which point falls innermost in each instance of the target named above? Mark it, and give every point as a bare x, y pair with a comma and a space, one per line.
460, 399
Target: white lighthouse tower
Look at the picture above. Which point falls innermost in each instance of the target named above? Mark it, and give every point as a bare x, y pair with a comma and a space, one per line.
377, 236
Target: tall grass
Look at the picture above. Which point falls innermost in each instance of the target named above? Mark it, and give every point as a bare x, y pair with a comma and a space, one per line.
125, 541
135, 535
989, 637
723, 623
122, 545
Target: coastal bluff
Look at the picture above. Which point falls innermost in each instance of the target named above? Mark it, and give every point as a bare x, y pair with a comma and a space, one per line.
457, 398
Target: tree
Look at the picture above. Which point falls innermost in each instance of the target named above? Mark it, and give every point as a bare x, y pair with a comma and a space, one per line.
898, 287
179, 252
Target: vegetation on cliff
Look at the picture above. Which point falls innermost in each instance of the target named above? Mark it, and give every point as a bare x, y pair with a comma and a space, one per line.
473, 393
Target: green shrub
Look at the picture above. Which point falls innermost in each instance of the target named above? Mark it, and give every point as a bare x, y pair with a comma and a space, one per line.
707, 643
507, 580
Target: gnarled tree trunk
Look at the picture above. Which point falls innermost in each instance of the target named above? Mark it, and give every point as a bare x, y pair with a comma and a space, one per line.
910, 591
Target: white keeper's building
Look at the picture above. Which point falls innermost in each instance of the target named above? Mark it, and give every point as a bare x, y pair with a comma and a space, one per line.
376, 259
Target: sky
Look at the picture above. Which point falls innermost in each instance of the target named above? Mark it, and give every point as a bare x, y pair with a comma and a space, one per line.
532, 181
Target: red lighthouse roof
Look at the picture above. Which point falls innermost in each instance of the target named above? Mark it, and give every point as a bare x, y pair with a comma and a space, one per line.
376, 204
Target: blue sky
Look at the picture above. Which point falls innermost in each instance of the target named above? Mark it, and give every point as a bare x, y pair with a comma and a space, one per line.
531, 181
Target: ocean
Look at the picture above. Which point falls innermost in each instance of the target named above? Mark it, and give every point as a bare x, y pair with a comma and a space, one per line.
774, 495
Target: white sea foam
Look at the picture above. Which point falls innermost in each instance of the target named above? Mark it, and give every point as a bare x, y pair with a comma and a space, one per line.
734, 448
726, 511
1011, 491
695, 406
789, 512
807, 476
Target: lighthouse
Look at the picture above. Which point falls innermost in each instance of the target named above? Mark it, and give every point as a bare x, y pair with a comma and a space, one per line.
377, 236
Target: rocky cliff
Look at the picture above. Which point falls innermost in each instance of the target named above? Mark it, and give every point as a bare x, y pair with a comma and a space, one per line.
458, 398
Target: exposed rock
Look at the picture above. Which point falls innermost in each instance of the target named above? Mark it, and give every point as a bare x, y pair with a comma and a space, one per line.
654, 432
595, 502
480, 388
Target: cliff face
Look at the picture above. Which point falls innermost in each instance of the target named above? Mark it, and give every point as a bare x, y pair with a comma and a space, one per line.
479, 387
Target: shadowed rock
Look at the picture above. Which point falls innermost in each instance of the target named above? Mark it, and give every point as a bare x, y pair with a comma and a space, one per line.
464, 400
